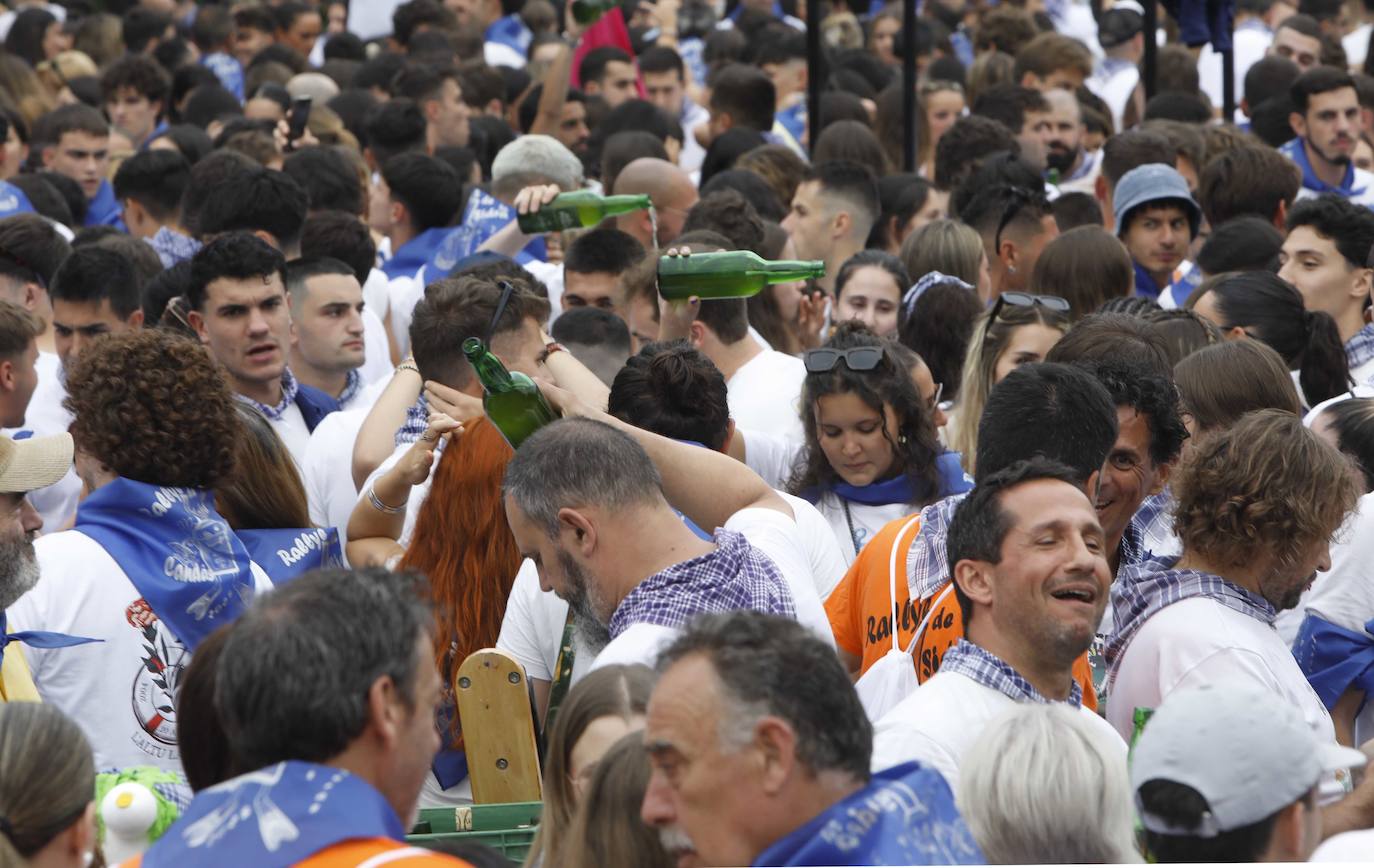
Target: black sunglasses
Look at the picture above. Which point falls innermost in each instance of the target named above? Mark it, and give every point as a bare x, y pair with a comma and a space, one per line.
825, 359
1023, 299
507, 290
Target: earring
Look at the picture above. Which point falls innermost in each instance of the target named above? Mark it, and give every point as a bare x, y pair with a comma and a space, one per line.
902, 440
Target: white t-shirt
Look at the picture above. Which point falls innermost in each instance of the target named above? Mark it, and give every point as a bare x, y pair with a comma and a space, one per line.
1344, 594
1248, 46
1351, 847
108, 687
823, 552
327, 473
377, 361
1115, 90
1198, 642
765, 395
1363, 183
532, 629
405, 293
1356, 45
940, 721
294, 433
44, 417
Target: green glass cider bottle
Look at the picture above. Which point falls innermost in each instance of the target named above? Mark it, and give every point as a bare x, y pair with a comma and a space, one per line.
728, 274
590, 11
577, 210
512, 401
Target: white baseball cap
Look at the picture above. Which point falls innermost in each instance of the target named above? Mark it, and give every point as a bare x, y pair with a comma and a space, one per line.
33, 463
1246, 751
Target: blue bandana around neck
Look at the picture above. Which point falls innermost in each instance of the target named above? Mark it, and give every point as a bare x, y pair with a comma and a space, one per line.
37, 638
180, 554
104, 210
1294, 150
288, 553
1145, 285
953, 480
484, 216
407, 260
278, 815
905, 816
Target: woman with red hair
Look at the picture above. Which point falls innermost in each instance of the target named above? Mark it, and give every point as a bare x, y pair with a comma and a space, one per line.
462, 543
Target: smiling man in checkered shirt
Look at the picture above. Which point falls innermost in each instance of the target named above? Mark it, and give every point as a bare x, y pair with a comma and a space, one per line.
1029, 561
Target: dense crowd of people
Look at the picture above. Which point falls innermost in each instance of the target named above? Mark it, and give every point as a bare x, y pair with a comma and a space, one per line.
1034, 527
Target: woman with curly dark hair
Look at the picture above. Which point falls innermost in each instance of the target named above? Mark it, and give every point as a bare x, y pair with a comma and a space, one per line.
151, 567
870, 412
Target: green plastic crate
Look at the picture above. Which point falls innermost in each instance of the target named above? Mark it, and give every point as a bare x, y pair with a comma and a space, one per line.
508, 828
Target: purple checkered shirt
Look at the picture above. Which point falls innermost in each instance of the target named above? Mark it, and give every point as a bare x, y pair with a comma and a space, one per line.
735, 576
991, 671
1144, 589
1155, 519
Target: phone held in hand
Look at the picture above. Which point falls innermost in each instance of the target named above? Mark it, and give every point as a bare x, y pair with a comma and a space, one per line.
296, 120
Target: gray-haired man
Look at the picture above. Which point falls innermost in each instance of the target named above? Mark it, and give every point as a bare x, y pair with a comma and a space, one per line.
588, 502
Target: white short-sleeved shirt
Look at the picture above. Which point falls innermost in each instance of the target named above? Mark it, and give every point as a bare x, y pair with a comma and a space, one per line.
327, 470
108, 688
765, 395
1198, 642
938, 723
377, 360
1350, 847
293, 431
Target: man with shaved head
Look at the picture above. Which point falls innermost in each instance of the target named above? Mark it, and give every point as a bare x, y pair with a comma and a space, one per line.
671, 191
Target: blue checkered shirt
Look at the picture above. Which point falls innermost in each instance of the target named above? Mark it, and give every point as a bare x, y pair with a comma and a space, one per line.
417, 420
991, 671
735, 576
927, 561
289, 390
351, 388
1155, 520
173, 247
1360, 348
1142, 590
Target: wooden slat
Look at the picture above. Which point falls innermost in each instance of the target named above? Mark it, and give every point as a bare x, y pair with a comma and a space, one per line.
498, 728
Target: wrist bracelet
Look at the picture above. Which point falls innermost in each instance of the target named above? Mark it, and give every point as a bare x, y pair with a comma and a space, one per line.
377, 504
407, 366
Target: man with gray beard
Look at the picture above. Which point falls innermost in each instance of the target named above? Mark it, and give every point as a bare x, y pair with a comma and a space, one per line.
25, 465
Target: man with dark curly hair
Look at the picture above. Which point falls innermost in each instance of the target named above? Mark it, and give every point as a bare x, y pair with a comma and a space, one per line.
239, 308
1257, 507
151, 568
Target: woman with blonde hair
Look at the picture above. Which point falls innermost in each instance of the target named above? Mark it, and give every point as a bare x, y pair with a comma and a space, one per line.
47, 788
1020, 329
603, 707
21, 88
951, 248
57, 74
607, 829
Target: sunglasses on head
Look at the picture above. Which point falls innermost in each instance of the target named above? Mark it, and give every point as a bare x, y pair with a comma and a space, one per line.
825, 359
1023, 299
507, 290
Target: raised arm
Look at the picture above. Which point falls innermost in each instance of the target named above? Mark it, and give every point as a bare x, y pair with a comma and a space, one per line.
707, 486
